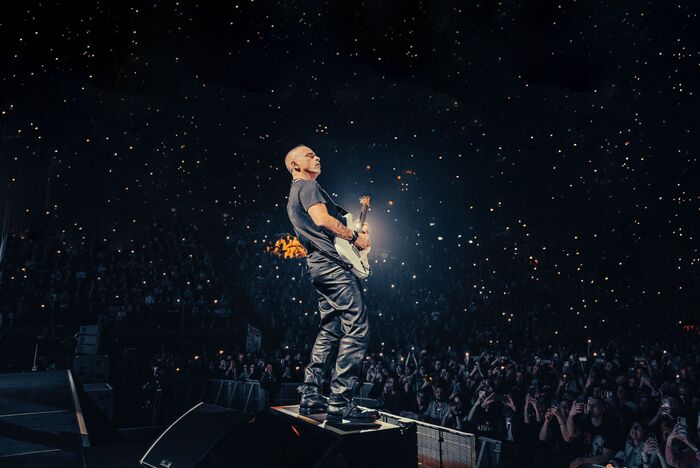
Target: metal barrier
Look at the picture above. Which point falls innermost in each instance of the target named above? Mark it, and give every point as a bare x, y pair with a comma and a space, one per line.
363, 398
243, 396
489, 452
286, 395
440, 447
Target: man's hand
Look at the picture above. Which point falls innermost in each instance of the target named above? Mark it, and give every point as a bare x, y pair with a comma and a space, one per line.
557, 413
510, 403
680, 432
577, 408
650, 446
363, 241
548, 416
489, 399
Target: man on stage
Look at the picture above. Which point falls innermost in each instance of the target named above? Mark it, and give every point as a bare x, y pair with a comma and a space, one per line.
317, 220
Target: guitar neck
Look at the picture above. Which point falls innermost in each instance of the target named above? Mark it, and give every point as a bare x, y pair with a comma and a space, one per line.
363, 214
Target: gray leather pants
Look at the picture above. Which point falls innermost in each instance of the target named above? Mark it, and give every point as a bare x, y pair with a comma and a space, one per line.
344, 326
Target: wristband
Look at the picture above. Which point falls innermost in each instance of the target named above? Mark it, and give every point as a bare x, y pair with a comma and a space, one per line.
355, 235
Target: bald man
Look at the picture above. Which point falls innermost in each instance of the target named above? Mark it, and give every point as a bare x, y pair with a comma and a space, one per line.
317, 220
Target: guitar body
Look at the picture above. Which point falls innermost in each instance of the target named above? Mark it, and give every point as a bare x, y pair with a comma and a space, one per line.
351, 254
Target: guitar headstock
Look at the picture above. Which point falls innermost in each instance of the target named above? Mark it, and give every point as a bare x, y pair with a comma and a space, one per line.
365, 200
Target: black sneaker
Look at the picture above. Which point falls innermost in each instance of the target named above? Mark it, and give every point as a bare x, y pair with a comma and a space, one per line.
312, 402
340, 408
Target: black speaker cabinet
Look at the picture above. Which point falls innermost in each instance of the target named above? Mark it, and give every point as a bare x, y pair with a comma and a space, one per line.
190, 438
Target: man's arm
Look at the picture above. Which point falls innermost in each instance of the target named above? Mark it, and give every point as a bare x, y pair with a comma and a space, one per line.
544, 430
319, 215
572, 431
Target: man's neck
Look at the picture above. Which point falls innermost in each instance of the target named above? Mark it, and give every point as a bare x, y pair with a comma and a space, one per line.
304, 176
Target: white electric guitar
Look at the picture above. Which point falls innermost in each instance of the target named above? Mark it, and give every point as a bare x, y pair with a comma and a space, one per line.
348, 252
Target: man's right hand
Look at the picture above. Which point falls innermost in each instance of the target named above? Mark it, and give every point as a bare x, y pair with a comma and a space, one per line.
363, 241
577, 408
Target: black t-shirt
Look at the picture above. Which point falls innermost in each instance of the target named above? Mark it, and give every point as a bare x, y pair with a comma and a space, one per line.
302, 195
608, 435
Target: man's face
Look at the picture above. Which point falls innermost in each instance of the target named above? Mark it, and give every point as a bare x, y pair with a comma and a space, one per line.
638, 432
621, 393
389, 385
594, 407
306, 160
438, 393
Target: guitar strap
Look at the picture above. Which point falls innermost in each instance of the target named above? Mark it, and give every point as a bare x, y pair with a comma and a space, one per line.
342, 211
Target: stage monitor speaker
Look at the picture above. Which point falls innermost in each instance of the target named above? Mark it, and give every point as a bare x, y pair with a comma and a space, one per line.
190, 438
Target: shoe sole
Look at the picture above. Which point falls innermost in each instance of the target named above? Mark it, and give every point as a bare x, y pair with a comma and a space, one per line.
309, 411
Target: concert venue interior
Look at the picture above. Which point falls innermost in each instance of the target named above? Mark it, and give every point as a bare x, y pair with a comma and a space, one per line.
532, 298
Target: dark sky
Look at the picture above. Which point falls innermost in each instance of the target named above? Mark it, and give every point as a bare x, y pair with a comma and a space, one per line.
562, 127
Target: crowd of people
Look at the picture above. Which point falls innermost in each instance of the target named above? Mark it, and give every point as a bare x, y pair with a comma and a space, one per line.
151, 275
487, 347
628, 407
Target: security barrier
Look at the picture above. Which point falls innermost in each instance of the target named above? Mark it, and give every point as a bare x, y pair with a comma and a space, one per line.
440, 447
243, 396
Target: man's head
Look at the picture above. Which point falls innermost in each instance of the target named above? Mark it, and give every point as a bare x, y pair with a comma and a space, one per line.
595, 407
303, 163
391, 385
439, 393
621, 393
638, 431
